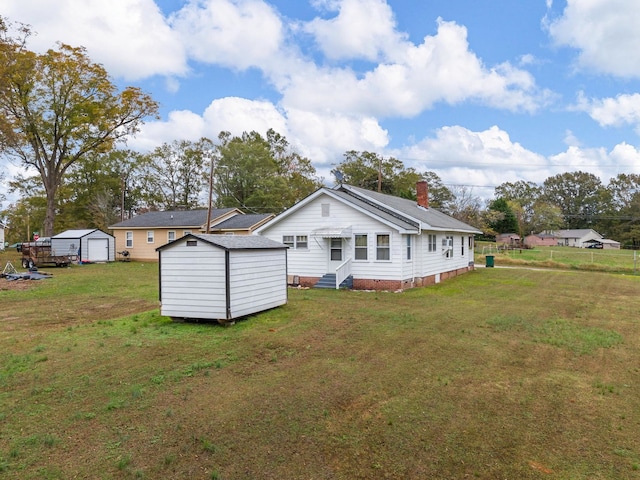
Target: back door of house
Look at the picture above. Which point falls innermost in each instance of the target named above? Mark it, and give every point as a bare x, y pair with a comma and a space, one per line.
336, 253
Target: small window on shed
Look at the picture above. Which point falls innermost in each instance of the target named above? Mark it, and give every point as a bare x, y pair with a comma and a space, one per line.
192, 243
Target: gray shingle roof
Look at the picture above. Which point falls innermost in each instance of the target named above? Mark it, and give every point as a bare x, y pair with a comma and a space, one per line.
406, 210
239, 222
171, 218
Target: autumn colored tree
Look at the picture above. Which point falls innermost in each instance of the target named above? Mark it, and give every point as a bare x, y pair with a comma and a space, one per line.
58, 107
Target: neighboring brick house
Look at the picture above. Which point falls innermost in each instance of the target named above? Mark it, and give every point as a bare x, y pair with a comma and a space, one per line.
371, 240
142, 234
541, 240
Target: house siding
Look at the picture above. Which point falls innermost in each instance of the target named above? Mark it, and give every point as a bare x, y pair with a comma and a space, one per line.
142, 250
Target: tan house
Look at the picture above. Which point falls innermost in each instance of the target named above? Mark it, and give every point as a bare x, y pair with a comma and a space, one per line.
141, 235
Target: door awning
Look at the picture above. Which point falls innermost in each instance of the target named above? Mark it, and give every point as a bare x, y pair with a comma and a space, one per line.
332, 232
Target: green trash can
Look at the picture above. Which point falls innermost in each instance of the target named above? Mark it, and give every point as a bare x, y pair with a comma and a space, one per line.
489, 261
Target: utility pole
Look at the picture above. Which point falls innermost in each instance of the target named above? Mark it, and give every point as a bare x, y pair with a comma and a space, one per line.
210, 155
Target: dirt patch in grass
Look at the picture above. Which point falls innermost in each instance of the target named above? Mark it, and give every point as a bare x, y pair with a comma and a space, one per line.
17, 284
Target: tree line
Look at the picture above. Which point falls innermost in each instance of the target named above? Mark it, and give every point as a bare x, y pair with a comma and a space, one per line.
62, 117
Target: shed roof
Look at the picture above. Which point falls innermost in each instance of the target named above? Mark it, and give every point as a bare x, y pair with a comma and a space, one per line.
231, 242
77, 233
172, 218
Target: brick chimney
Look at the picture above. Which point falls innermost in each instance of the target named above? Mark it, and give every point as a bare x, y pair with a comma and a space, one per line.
422, 192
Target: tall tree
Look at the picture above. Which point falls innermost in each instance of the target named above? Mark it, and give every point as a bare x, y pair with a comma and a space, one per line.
622, 220
260, 175
579, 195
102, 190
174, 176
59, 107
505, 221
373, 171
523, 196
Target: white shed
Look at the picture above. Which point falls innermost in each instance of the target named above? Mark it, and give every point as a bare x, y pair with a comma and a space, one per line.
221, 277
90, 245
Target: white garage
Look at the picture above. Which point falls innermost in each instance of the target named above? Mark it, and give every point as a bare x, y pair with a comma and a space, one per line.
221, 277
89, 245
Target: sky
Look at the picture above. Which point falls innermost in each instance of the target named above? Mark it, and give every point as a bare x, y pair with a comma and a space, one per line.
482, 92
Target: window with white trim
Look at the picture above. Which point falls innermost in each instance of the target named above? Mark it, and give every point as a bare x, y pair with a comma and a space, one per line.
462, 246
408, 247
150, 236
361, 247
447, 246
432, 241
383, 246
288, 240
299, 242
302, 241
171, 236
128, 239
186, 232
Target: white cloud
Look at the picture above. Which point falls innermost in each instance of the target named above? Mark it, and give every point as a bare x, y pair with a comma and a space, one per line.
604, 31
621, 110
129, 37
238, 115
441, 69
324, 137
239, 34
363, 29
489, 158
180, 125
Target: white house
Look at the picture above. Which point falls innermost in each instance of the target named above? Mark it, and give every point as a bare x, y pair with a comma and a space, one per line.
371, 240
221, 277
576, 238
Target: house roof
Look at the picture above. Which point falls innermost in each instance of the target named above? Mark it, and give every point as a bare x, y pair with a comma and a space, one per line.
578, 233
242, 222
430, 218
172, 219
76, 233
231, 242
405, 215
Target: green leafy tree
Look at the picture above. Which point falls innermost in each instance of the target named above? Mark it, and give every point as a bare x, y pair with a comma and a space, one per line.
26, 215
389, 175
58, 107
101, 189
174, 176
546, 217
505, 220
522, 196
260, 174
580, 196
622, 220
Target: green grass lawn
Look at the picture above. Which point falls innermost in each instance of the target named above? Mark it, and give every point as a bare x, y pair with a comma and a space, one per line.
499, 373
614, 261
